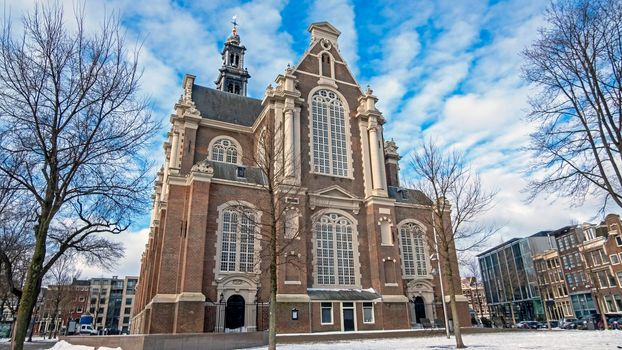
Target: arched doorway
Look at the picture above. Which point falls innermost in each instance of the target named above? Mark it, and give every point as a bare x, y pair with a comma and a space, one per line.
234, 312
419, 309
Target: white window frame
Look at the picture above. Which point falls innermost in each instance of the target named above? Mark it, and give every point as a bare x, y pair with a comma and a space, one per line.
353, 308
332, 318
348, 166
219, 233
617, 259
234, 143
424, 242
373, 317
355, 250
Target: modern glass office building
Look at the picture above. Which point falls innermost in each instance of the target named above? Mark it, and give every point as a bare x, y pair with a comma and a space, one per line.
510, 280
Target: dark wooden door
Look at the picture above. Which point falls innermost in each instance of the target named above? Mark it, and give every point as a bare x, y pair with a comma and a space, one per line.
234, 312
419, 309
348, 320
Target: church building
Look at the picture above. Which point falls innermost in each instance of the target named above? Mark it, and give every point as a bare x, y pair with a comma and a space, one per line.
356, 251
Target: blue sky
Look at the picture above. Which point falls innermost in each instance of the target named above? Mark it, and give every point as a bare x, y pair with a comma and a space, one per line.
445, 70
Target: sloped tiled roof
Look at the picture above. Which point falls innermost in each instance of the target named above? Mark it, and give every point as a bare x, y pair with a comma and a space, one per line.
406, 195
342, 294
225, 106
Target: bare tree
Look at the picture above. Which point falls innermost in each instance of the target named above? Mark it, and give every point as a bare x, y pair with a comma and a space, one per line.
61, 277
281, 225
72, 134
577, 65
458, 201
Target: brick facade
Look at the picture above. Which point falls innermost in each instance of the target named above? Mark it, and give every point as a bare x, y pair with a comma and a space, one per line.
186, 284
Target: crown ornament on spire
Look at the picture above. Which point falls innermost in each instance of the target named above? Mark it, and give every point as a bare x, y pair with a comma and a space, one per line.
234, 37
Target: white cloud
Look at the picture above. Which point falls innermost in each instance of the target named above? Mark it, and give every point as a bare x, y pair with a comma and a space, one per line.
129, 265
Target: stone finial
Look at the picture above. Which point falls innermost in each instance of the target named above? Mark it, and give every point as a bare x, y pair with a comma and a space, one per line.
390, 149
187, 84
369, 91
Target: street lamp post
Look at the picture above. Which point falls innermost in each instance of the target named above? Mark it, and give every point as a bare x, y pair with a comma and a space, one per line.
440, 275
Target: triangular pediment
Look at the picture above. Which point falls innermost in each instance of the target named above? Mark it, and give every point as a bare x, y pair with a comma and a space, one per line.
335, 191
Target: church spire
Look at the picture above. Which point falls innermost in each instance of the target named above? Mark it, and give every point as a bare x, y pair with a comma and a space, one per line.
233, 76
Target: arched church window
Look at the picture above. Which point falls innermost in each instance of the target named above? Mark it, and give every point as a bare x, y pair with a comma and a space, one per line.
232, 59
335, 240
325, 58
237, 248
412, 244
224, 150
230, 87
237, 60
330, 154
237, 89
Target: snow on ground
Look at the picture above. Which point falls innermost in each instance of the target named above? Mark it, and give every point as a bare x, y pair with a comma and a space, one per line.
566, 340
63, 345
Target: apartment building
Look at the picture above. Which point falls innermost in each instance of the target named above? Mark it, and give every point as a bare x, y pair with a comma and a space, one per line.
111, 301
552, 285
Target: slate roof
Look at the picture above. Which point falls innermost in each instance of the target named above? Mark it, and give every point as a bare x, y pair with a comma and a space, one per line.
406, 195
342, 294
225, 106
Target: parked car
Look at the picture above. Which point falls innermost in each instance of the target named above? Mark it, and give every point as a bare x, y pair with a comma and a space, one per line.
565, 322
554, 324
587, 322
87, 329
528, 325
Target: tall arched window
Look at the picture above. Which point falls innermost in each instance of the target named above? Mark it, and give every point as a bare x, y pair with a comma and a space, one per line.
412, 244
224, 150
237, 248
334, 249
330, 151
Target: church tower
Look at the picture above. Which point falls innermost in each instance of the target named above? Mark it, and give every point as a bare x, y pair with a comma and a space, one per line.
233, 76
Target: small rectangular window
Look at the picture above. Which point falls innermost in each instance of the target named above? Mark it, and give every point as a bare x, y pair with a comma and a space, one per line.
368, 313
241, 172
327, 313
619, 240
614, 259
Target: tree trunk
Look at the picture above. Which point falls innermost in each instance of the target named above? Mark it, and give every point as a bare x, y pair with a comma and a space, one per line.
273, 287
29, 299
30, 292
452, 304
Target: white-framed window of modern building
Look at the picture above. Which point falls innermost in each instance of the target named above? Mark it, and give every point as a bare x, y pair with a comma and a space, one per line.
335, 249
237, 241
368, 312
330, 134
225, 149
326, 311
413, 249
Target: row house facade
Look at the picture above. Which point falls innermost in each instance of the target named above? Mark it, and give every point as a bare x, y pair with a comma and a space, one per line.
358, 244
473, 291
59, 305
552, 285
591, 256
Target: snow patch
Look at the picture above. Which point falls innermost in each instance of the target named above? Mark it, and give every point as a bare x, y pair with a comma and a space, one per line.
63, 345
